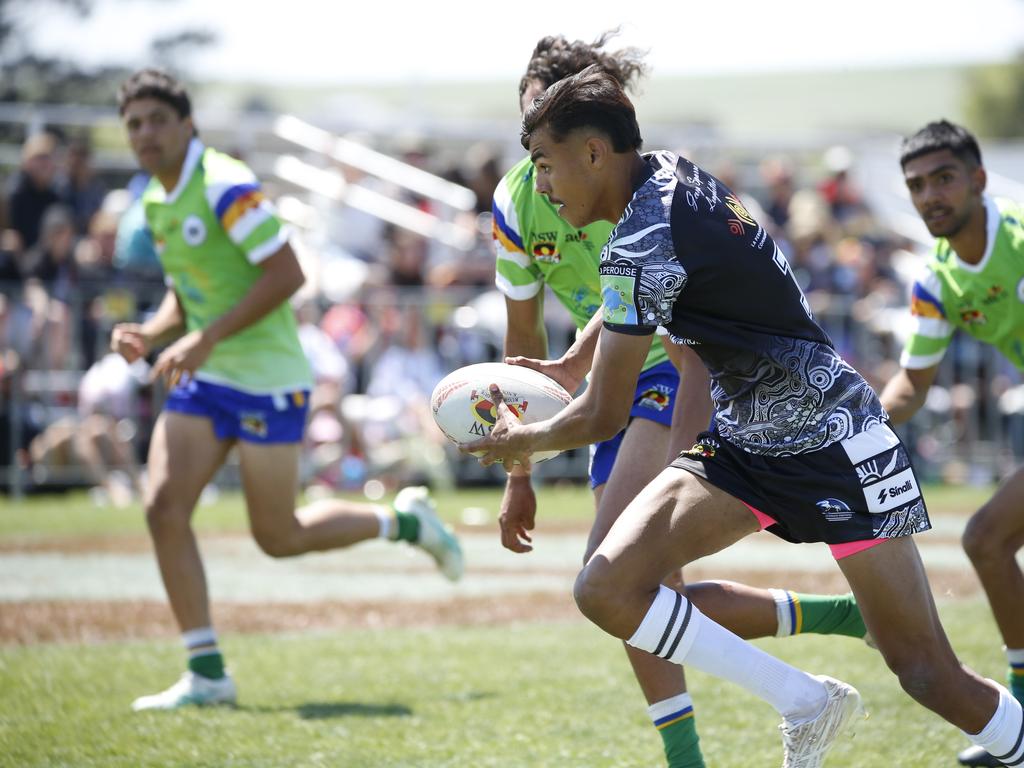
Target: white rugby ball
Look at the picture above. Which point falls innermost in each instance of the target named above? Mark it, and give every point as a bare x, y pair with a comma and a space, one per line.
462, 405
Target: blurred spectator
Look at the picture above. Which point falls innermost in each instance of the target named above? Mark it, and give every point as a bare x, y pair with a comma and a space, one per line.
838, 190
96, 444
405, 256
78, 186
777, 177
49, 273
31, 190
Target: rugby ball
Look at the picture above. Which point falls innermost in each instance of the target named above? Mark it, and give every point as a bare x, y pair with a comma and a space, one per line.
462, 407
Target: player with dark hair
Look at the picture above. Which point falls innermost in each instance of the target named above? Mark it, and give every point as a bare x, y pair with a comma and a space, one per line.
974, 281
238, 377
537, 248
799, 442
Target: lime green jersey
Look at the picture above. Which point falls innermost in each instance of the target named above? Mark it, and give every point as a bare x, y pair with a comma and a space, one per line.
985, 299
535, 246
211, 232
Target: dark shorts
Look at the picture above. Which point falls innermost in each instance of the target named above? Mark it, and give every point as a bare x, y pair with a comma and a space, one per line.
653, 400
237, 415
859, 490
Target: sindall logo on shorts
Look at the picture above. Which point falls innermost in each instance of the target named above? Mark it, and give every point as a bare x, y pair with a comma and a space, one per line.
835, 510
894, 491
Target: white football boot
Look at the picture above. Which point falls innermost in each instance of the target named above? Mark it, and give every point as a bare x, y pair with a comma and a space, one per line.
806, 745
190, 690
436, 538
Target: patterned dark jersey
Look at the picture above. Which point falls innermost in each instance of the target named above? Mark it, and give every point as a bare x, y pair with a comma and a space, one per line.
687, 255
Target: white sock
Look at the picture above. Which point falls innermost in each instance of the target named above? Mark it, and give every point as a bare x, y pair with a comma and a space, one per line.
676, 630
785, 612
200, 642
388, 524
1003, 737
671, 710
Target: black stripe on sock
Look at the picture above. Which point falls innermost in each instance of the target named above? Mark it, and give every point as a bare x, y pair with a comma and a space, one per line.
671, 622
682, 629
1020, 760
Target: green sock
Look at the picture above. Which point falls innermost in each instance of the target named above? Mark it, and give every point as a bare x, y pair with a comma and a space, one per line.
209, 665
830, 615
408, 527
675, 722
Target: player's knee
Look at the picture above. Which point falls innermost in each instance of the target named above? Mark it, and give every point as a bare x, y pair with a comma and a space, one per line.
919, 675
981, 539
594, 590
277, 544
165, 515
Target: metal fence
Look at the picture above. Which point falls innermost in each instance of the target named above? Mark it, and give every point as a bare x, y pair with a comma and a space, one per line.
971, 429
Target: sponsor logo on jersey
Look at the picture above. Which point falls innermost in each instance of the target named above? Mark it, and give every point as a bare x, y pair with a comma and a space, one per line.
657, 398
704, 449
738, 225
835, 510
995, 293
546, 252
193, 231
253, 422
973, 317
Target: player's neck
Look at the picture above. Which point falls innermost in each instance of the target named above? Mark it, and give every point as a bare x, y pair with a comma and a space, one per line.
971, 241
629, 173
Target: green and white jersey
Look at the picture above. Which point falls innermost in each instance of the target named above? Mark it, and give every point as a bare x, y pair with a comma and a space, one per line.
985, 299
535, 245
211, 231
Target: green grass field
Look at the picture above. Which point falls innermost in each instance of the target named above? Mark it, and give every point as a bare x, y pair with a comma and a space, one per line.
522, 694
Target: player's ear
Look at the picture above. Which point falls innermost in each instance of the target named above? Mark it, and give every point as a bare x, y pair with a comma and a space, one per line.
979, 179
598, 150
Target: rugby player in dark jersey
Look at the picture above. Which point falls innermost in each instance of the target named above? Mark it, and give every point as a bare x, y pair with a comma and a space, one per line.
799, 443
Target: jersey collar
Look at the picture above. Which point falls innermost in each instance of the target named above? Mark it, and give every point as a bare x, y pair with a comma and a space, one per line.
195, 151
992, 219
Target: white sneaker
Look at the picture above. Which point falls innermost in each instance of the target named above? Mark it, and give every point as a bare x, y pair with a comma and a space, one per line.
806, 745
191, 689
436, 538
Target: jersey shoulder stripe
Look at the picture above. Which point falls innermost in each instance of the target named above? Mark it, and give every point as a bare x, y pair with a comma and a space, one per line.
926, 303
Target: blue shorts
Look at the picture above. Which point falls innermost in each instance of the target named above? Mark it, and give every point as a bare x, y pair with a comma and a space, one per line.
238, 415
654, 400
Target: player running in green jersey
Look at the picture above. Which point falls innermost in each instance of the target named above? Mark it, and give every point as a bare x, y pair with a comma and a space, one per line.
973, 281
536, 247
237, 374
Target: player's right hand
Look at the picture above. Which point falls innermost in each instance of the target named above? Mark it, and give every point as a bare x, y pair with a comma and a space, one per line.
128, 340
518, 514
560, 370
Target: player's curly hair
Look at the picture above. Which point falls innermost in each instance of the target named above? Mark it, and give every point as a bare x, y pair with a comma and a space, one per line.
940, 135
555, 58
152, 83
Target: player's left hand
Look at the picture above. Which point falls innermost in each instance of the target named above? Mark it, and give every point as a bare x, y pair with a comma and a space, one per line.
183, 356
506, 444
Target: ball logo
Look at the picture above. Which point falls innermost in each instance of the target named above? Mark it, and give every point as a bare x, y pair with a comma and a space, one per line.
193, 231
485, 413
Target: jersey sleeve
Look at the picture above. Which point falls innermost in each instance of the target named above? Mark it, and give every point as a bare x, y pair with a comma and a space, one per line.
515, 274
640, 279
247, 216
931, 330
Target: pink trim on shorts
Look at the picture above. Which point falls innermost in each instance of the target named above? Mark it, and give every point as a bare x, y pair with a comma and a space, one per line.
762, 518
839, 551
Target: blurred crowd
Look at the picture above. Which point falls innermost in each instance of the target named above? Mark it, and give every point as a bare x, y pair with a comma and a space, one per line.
386, 311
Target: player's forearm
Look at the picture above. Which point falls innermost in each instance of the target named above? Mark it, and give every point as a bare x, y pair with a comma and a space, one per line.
901, 398
579, 358
273, 288
584, 421
532, 342
167, 323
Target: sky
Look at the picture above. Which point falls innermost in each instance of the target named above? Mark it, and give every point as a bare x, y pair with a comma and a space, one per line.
320, 42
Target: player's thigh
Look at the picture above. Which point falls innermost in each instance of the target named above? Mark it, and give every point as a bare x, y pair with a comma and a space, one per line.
676, 519
895, 599
184, 455
641, 456
270, 481
1001, 519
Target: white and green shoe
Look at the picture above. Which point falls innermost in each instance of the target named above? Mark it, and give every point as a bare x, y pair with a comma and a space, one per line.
436, 538
190, 690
